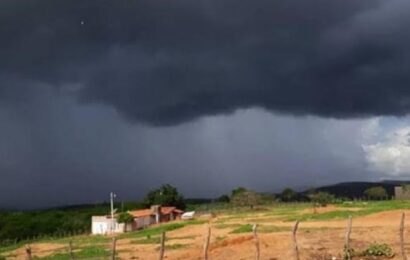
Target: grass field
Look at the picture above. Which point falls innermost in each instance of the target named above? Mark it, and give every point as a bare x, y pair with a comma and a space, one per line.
321, 234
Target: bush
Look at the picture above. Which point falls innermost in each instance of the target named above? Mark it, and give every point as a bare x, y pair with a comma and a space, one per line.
246, 198
288, 195
378, 250
125, 217
377, 192
321, 198
224, 198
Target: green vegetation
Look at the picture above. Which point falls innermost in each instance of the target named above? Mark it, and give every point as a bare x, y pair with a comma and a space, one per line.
374, 251
321, 198
361, 209
225, 226
81, 240
378, 250
220, 238
175, 246
166, 195
288, 195
148, 240
155, 231
49, 224
125, 217
237, 191
375, 193
223, 198
156, 239
242, 229
246, 199
54, 224
85, 253
262, 229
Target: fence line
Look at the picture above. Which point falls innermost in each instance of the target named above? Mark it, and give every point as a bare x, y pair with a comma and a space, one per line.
256, 238
403, 251
207, 240
162, 246
70, 250
295, 242
347, 250
113, 250
28, 252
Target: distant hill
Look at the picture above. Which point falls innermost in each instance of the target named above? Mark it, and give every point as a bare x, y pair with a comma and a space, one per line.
354, 190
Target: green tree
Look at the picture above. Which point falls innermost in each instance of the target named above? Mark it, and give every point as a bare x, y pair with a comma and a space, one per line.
246, 198
166, 195
321, 198
238, 191
288, 195
377, 192
125, 217
224, 198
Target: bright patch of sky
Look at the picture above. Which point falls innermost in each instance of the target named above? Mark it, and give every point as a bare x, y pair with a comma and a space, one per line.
387, 146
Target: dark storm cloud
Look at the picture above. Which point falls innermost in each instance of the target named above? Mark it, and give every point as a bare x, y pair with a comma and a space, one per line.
166, 62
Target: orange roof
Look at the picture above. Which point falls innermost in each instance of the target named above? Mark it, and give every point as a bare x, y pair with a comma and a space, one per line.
148, 212
169, 210
141, 213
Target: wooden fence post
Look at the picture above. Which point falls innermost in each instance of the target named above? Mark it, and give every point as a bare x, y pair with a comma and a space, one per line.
347, 239
70, 250
255, 236
162, 247
28, 252
114, 243
295, 241
403, 251
207, 240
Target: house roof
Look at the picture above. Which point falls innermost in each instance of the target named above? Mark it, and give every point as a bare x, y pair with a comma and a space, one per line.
141, 213
167, 210
148, 212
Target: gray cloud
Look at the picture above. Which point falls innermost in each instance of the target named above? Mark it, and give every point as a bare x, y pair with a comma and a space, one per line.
55, 152
163, 63
174, 70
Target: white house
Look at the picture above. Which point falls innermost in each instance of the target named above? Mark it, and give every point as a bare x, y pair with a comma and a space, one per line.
101, 225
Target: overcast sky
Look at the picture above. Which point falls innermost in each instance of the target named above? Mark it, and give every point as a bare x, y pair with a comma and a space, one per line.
100, 96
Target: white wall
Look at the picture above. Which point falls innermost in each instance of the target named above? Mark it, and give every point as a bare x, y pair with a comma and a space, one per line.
101, 225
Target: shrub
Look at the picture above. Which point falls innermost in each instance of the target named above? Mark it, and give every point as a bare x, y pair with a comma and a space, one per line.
288, 195
125, 217
377, 192
246, 198
224, 198
321, 198
379, 250
243, 229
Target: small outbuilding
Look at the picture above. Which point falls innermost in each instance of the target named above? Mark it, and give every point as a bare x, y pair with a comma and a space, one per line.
402, 192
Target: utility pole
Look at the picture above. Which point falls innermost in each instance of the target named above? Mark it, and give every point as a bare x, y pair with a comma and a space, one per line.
112, 196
